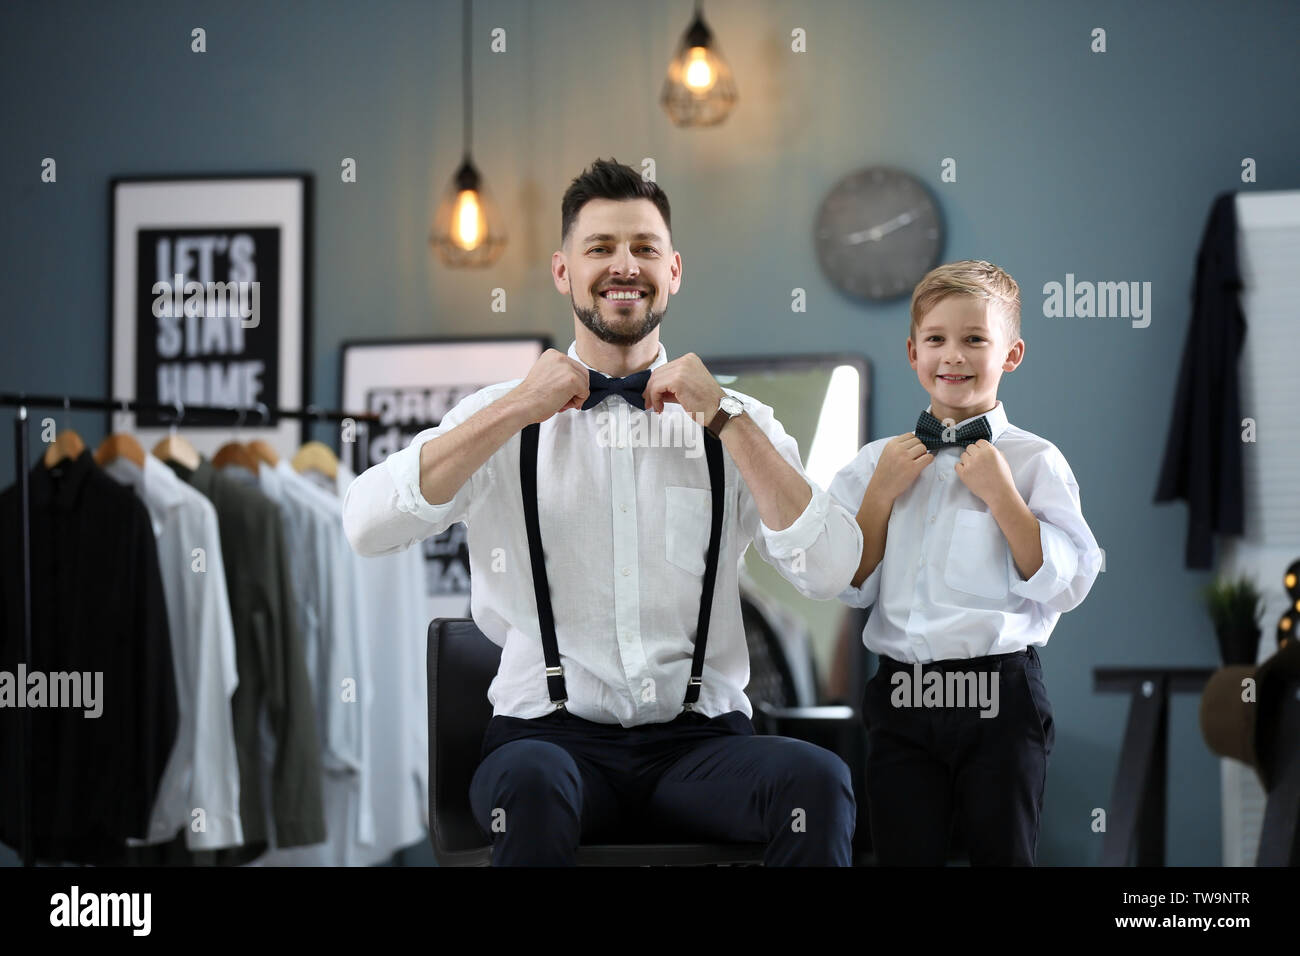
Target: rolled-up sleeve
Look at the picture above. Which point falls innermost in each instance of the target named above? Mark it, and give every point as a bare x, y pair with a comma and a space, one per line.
819, 552
1071, 557
847, 489
384, 510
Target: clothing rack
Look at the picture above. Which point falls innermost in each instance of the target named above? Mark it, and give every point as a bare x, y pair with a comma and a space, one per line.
207, 414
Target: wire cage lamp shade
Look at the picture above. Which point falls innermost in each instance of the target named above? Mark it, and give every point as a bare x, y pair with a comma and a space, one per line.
699, 89
467, 229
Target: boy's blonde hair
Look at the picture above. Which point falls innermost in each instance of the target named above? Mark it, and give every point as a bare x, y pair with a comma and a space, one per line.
969, 277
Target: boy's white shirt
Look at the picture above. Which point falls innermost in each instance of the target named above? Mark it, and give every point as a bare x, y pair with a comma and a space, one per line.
947, 586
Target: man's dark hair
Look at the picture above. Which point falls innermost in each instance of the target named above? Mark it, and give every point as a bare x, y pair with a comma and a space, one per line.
609, 180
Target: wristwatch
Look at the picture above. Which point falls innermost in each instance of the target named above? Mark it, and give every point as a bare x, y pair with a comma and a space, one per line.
728, 409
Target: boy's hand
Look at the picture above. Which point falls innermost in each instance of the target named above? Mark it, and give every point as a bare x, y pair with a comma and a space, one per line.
900, 462
986, 473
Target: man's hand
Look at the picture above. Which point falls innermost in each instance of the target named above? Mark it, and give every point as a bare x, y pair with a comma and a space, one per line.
554, 384
986, 473
901, 461
686, 382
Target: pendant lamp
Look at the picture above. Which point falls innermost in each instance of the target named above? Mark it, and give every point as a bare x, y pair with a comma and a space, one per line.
699, 89
467, 230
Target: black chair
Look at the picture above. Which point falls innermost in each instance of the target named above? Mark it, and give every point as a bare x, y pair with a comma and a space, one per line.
461, 663
771, 693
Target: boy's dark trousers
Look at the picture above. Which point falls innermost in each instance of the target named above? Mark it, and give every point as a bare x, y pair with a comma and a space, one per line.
548, 783
929, 768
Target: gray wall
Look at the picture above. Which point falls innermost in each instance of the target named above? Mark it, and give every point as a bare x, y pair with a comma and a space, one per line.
1101, 165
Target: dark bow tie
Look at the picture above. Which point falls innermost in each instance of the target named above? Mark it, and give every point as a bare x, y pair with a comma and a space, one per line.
932, 431
630, 388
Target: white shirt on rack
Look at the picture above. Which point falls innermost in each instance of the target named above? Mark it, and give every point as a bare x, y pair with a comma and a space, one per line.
625, 526
394, 611
391, 799
334, 641
203, 770
947, 586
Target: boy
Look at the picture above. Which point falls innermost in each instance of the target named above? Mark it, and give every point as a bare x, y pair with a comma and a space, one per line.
973, 545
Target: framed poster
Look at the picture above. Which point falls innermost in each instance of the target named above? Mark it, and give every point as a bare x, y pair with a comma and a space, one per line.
411, 384
209, 303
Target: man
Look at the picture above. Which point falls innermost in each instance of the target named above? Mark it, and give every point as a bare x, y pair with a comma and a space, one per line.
602, 568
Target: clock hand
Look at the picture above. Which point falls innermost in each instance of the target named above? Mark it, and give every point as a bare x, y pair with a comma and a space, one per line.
876, 233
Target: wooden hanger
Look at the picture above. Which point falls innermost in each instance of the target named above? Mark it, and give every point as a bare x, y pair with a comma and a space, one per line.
66, 444
236, 453
233, 453
264, 452
120, 445
178, 449
319, 457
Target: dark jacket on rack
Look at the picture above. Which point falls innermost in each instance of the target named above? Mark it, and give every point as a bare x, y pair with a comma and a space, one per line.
272, 670
97, 609
1203, 453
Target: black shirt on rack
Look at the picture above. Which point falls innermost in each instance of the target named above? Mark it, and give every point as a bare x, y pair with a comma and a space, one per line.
97, 609
1203, 450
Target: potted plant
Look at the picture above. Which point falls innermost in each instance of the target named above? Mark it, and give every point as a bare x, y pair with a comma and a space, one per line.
1236, 608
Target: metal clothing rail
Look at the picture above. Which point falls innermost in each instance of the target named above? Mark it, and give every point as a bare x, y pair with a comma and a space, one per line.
200, 413
310, 413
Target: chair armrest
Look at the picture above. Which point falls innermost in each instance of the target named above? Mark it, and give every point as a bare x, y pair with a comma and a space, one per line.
814, 724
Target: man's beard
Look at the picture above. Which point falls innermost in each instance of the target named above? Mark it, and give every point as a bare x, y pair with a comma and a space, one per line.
595, 324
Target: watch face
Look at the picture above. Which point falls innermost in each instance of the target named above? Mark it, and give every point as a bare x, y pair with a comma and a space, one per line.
877, 233
731, 405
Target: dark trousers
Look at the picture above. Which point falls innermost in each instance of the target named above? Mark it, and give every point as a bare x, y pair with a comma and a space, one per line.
547, 784
932, 767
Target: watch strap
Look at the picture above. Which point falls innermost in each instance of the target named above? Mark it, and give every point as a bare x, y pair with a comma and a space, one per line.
720, 419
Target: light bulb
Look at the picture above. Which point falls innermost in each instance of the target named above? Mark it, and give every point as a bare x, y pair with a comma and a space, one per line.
469, 220
699, 74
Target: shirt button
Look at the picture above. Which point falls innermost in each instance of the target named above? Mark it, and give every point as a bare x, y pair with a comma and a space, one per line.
931, 519
624, 507
626, 572
942, 476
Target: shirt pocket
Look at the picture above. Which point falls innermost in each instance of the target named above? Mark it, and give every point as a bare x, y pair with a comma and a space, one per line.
688, 518
977, 557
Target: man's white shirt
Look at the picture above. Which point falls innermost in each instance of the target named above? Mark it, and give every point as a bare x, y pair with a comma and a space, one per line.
624, 527
947, 586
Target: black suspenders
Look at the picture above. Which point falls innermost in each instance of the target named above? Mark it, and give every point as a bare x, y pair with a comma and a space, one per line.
545, 617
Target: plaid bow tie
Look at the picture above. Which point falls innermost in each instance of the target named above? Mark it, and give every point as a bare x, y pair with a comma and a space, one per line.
629, 388
931, 431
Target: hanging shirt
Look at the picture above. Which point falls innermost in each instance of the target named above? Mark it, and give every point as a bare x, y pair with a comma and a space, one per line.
99, 625
394, 608
327, 587
391, 601
1202, 461
203, 772
272, 670
947, 586
626, 525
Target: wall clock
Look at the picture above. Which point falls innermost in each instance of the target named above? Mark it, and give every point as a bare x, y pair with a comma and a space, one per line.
878, 231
